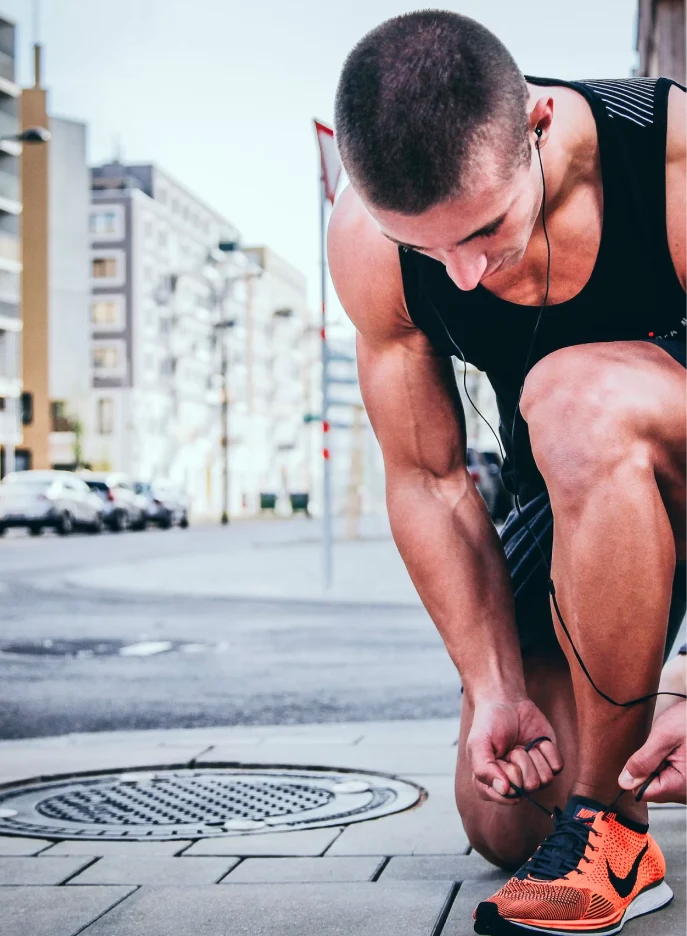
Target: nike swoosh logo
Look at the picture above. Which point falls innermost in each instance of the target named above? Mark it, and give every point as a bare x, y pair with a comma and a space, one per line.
625, 885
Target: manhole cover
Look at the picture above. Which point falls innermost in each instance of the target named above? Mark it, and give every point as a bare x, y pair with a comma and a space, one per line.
198, 803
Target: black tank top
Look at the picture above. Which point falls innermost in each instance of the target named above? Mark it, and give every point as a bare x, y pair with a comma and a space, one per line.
633, 291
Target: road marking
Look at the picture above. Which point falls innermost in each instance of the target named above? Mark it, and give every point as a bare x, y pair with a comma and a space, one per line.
146, 648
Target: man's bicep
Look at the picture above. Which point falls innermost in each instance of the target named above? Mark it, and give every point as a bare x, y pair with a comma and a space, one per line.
413, 404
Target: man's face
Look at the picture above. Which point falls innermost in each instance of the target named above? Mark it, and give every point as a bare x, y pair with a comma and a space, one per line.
476, 235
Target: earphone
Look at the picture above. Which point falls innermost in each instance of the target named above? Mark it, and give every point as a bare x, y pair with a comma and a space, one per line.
545, 560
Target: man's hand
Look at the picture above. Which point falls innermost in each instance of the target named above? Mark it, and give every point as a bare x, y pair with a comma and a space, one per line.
496, 750
665, 748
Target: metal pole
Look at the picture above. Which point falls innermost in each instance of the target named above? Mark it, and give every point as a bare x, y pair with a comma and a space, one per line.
326, 452
225, 425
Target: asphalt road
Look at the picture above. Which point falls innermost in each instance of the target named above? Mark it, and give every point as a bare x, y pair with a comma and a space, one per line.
73, 659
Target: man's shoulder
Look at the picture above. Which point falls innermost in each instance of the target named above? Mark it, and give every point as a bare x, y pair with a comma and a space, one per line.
364, 266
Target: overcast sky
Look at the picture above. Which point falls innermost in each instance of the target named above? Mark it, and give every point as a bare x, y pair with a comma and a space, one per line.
222, 93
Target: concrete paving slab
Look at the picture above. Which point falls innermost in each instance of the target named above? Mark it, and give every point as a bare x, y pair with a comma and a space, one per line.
401, 909
164, 872
422, 732
55, 911
46, 871
36, 762
669, 828
304, 870
9, 845
460, 921
118, 849
417, 832
443, 868
300, 843
396, 759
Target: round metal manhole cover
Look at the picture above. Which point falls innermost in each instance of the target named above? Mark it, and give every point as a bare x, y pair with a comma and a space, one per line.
198, 803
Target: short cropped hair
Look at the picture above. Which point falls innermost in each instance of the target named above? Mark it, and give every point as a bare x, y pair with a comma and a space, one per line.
418, 99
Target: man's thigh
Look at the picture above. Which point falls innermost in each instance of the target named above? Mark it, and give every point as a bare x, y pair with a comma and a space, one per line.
508, 835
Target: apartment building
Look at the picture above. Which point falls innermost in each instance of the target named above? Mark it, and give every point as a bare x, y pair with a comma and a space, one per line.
661, 38
172, 315
151, 324
11, 454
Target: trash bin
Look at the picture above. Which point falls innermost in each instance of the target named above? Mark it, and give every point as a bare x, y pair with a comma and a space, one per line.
268, 501
299, 503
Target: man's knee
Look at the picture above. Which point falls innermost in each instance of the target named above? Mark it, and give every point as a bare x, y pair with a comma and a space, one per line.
582, 425
502, 844
499, 833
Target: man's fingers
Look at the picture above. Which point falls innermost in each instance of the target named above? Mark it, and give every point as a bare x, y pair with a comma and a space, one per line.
485, 768
525, 762
668, 787
542, 766
549, 750
489, 793
647, 759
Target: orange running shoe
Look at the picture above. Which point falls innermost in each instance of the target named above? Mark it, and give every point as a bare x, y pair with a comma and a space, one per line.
596, 871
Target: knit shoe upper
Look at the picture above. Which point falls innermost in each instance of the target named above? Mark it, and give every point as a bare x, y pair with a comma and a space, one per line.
582, 878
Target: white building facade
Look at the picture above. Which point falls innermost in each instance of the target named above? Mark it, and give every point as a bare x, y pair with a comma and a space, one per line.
167, 308
69, 353
10, 258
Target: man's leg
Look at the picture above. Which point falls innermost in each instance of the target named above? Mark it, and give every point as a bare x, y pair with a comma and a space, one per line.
508, 835
607, 426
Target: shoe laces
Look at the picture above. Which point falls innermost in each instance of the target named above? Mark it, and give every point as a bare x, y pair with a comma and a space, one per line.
562, 851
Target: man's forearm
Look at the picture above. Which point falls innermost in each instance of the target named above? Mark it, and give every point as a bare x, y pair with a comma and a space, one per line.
455, 559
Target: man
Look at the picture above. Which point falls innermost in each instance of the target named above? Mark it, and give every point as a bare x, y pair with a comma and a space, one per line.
440, 247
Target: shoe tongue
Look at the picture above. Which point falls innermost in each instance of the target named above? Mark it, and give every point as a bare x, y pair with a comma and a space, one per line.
561, 852
582, 808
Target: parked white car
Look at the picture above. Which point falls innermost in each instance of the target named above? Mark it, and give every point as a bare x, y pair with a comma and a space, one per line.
40, 499
124, 508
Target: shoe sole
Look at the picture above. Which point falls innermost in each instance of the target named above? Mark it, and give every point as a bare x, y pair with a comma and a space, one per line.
490, 923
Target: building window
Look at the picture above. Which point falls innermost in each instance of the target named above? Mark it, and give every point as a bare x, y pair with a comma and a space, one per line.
175, 206
105, 417
104, 267
105, 312
26, 409
60, 421
148, 230
103, 222
162, 238
106, 357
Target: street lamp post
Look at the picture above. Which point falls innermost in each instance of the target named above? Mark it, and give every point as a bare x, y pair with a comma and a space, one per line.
222, 326
219, 293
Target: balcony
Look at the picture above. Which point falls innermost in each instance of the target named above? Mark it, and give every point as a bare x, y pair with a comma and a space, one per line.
10, 254
9, 123
6, 66
9, 186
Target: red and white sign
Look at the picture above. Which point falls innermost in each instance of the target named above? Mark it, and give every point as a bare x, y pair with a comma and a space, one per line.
330, 159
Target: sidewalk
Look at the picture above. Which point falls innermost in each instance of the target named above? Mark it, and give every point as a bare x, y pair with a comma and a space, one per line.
408, 874
279, 560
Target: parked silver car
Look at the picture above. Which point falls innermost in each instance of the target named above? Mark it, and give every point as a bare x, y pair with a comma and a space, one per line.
39, 499
123, 508
165, 503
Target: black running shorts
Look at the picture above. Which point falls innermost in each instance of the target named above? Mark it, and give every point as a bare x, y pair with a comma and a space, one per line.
530, 576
